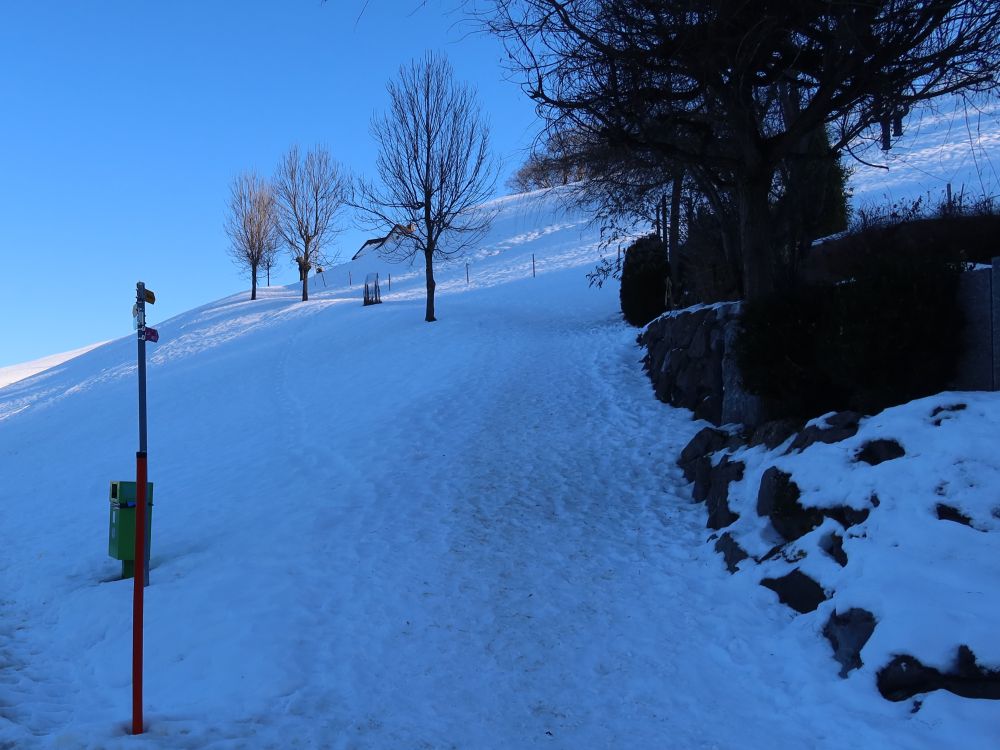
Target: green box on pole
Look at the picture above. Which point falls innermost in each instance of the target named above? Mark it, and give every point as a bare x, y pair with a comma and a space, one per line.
121, 527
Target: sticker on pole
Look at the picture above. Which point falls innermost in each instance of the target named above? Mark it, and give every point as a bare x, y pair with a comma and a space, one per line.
152, 334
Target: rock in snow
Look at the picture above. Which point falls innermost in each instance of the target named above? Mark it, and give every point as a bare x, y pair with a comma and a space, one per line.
848, 633
905, 677
935, 589
719, 513
797, 590
875, 452
778, 500
833, 429
731, 551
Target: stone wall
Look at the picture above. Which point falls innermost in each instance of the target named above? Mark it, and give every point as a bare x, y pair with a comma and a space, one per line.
691, 361
975, 367
803, 543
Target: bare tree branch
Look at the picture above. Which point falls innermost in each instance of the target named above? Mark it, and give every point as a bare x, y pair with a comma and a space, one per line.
703, 86
434, 168
252, 225
311, 193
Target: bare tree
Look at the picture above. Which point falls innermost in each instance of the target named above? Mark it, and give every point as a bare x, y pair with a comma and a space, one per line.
270, 258
252, 225
434, 168
311, 193
726, 91
553, 162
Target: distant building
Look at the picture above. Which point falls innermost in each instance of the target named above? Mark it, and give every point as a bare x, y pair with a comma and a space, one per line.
395, 235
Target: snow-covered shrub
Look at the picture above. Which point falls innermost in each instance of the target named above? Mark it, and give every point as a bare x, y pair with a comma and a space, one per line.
888, 336
644, 274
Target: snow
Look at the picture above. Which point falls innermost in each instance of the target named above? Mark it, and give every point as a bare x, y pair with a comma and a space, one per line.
375, 532
957, 142
690, 309
931, 583
13, 373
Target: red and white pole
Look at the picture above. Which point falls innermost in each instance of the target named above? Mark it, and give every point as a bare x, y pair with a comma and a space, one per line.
139, 584
140, 568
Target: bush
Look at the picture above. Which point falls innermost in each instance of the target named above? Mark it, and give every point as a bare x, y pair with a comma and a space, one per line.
706, 274
963, 230
644, 274
890, 335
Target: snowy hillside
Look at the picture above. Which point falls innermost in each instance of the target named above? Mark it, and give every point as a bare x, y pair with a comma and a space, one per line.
13, 373
370, 531
956, 143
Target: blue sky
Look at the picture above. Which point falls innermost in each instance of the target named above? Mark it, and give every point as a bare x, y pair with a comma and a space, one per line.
123, 123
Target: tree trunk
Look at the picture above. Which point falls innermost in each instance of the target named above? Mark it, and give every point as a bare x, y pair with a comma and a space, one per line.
253, 283
752, 200
304, 272
675, 226
429, 267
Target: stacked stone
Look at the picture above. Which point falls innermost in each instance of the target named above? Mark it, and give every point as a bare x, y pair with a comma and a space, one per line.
691, 361
778, 500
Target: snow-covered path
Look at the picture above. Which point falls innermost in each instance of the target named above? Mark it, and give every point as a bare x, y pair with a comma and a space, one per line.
541, 577
371, 532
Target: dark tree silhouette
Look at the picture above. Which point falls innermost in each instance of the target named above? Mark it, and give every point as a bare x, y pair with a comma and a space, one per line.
726, 91
434, 169
555, 161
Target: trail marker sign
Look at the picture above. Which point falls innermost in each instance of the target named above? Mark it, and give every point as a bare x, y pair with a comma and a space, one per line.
140, 576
